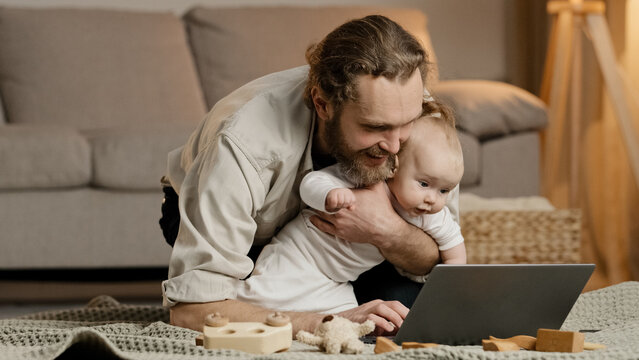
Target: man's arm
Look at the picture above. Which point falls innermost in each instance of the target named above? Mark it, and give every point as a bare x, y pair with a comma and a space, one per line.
387, 315
373, 220
191, 315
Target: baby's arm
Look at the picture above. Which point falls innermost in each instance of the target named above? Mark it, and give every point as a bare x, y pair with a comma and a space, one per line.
325, 190
442, 227
339, 198
454, 255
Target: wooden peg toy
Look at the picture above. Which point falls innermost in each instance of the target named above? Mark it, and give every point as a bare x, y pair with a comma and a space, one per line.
559, 341
384, 345
499, 345
524, 341
593, 346
273, 335
417, 345
199, 340
215, 320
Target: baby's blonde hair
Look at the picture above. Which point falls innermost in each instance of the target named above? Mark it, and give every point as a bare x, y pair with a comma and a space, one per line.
439, 115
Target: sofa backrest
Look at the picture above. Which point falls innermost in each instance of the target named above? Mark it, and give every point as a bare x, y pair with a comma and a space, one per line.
232, 46
90, 69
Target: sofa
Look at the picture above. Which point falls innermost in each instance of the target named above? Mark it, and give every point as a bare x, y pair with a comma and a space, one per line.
92, 100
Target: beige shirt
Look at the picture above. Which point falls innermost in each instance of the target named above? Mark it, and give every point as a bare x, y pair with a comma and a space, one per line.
238, 180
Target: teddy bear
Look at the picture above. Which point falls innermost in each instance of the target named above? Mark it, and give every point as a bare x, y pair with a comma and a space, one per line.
337, 335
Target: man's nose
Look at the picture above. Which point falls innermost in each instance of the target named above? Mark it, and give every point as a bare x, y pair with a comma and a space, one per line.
392, 141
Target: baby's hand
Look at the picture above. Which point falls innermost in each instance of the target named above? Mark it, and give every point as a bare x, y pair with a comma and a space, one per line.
338, 199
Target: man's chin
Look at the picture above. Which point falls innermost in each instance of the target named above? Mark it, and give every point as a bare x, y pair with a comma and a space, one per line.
362, 175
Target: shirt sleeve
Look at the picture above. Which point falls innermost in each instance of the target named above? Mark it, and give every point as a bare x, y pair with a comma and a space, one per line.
317, 184
443, 229
453, 203
217, 201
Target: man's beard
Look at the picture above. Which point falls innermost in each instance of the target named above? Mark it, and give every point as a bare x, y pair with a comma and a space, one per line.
352, 163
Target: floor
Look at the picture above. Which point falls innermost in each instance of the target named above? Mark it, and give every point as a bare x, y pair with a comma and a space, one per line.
27, 292
11, 310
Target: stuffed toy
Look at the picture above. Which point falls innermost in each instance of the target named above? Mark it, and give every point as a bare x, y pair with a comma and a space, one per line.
337, 335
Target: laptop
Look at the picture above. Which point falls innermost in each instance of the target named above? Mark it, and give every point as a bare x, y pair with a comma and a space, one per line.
463, 304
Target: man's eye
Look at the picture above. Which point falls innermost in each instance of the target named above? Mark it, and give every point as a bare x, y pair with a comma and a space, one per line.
423, 184
375, 128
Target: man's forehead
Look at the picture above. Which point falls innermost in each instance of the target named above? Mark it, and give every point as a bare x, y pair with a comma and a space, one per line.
388, 101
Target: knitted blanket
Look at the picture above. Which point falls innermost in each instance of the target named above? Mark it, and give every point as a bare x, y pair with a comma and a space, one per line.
105, 329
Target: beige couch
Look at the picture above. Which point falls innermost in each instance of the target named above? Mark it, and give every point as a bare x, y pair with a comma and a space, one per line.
94, 99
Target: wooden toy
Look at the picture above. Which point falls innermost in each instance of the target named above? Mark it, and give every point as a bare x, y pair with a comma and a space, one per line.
530, 342
384, 345
417, 345
499, 345
593, 346
524, 341
274, 335
559, 341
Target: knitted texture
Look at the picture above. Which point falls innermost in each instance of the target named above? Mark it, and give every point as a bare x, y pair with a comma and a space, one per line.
522, 237
109, 330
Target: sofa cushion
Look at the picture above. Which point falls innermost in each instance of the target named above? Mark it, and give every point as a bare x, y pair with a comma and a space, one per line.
133, 157
95, 68
489, 109
2, 117
43, 157
472, 159
233, 46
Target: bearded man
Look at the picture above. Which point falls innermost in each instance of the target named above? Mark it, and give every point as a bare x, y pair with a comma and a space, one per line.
238, 176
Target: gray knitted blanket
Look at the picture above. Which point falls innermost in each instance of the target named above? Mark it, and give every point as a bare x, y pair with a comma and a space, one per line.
106, 329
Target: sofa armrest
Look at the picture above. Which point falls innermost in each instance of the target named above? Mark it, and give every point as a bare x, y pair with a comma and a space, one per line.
488, 109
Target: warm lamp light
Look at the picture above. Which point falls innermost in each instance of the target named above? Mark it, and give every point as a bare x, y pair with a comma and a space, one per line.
562, 77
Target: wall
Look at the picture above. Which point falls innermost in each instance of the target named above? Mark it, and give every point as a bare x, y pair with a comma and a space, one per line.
469, 36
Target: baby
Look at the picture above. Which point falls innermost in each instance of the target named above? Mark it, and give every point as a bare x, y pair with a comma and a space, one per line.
431, 167
305, 269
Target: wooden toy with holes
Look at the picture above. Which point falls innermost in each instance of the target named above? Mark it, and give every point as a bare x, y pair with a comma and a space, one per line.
273, 335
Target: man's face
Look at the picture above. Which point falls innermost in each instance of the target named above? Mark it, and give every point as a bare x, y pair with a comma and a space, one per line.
365, 136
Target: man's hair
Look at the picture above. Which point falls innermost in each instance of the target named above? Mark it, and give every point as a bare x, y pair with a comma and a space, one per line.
373, 45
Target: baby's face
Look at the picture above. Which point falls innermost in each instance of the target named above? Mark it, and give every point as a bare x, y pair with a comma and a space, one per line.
427, 173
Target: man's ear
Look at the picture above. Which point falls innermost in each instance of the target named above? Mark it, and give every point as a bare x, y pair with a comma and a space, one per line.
322, 106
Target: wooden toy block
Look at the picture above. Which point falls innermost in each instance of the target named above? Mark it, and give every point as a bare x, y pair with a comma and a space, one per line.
384, 345
559, 341
524, 341
274, 335
499, 345
199, 340
417, 345
593, 346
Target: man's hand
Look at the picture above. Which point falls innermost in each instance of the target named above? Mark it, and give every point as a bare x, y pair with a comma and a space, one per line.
388, 316
339, 198
374, 221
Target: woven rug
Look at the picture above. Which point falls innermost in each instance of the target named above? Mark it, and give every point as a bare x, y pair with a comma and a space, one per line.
106, 329
522, 237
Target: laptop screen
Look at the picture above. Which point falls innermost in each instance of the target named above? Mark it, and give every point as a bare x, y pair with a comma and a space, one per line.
463, 304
